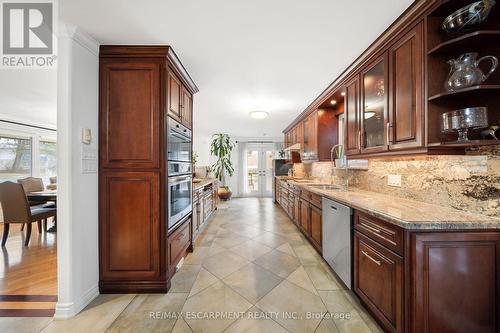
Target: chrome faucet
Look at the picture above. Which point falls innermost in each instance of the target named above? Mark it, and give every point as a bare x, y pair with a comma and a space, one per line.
343, 157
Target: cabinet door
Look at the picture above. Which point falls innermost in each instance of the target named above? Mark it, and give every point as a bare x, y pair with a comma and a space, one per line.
374, 106
305, 148
129, 114
187, 108
304, 216
300, 134
174, 97
406, 86
378, 281
297, 213
352, 117
129, 225
312, 122
456, 284
316, 227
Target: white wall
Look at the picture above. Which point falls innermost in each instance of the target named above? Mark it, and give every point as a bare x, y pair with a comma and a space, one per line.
78, 270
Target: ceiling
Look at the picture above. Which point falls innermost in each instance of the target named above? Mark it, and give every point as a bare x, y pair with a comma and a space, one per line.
275, 55
29, 96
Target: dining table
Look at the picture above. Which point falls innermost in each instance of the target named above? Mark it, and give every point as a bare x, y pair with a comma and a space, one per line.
48, 196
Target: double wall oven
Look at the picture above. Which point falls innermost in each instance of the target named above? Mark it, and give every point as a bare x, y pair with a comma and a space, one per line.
180, 171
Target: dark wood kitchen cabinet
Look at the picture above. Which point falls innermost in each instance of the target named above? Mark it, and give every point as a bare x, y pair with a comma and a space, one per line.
406, 91
174, 97
455, 282
304, 217
394, 96
138, 87
352, 114
187, 108
316, 227
378, 281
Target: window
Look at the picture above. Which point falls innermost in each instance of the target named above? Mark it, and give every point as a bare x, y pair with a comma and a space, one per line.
15, 158
47, 158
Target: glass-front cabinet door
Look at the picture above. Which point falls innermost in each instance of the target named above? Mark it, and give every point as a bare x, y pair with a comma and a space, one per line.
374, 106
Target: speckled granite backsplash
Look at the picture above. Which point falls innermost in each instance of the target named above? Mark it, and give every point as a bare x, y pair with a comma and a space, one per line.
470, 182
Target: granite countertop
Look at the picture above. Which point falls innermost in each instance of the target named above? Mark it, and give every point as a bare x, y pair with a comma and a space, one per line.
408, 214
204, 182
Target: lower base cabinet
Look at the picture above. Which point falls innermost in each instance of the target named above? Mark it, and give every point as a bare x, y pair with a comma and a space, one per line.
378, 281
455, 282
179, 242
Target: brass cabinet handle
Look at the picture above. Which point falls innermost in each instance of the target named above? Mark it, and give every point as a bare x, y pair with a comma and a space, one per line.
370, 228
371, 258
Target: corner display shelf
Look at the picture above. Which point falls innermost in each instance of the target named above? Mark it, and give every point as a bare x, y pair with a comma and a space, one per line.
466, 91
471, 40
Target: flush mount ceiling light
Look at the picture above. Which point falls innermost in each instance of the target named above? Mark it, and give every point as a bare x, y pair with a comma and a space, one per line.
259, 114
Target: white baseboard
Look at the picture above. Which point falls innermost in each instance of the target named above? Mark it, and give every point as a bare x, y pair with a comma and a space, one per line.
68, 310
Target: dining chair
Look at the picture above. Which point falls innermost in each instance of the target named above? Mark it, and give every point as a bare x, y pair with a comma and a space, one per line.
33, 184
16, 209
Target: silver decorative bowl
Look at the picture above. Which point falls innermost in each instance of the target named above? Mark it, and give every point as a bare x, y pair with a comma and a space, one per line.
464, 119
467, 17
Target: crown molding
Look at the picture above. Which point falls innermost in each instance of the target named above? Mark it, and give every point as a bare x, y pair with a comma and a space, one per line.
79, 36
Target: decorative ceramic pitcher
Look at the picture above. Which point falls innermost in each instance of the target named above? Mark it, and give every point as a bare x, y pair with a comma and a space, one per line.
465, 71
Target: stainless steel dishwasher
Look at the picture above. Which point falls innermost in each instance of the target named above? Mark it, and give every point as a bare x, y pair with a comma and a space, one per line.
337, 238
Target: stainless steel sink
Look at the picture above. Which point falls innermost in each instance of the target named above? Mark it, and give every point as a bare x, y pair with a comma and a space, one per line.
326, 187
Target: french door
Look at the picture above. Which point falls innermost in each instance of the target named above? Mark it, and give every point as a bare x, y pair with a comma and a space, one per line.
259, 163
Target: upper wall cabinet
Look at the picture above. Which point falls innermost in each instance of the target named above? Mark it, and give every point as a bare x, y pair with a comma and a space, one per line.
406, 104
179, 101
130, 112
373, 115
352, 117
395, 94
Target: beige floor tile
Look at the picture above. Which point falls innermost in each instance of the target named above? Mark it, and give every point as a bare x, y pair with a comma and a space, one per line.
23, 325
286, 248
224, 263
305, 253
204, 240
96, 317
140, 314
321, 278
230, 240
278, 262
184, 279
255, 321
251, 250
181, 327
215, 249
197, 256
218, 298
270, 239
286, 299
252, 282
301, 279
338, 304
203, 280
327, 326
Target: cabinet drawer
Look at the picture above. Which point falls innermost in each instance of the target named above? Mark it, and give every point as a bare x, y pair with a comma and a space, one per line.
306, 195
316, 200
378, 281
178, 242
383, 232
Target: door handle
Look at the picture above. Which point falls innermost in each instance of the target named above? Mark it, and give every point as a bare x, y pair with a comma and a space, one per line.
388, 137
371, 258
333, 207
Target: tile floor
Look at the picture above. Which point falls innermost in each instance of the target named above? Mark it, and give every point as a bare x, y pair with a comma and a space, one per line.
251, 271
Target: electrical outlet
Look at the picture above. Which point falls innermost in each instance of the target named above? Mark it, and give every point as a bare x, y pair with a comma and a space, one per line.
394, 180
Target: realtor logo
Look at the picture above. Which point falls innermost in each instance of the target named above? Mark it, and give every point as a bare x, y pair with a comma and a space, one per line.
27, 34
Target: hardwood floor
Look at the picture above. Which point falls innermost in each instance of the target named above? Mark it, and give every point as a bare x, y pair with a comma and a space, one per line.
28, 276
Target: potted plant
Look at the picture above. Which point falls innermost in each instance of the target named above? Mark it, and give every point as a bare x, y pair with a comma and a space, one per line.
221, 147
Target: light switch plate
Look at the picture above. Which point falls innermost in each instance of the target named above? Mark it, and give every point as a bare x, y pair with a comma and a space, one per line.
394, 180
